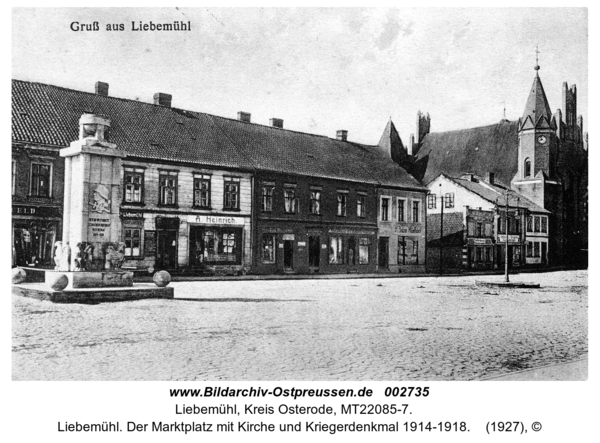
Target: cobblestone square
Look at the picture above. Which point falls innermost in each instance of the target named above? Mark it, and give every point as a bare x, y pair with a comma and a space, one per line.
422, 328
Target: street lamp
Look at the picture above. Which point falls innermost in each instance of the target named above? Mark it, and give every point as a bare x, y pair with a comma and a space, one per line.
441, 227
517, 214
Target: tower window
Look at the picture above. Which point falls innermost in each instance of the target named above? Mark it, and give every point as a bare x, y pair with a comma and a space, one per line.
527, 168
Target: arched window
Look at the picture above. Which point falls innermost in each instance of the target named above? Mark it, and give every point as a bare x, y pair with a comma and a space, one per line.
527, 168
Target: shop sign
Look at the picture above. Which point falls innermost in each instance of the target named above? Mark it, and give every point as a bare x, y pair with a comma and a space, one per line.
131, 214
216, 220
301, 243
350, 232
288, 236
36, 211
511, 239
480, 241
408, 229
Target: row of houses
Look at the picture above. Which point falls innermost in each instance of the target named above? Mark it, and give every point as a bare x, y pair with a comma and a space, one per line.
202, 194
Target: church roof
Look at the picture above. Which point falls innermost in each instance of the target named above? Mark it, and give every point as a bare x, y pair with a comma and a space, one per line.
492, 148
537, 112
49, 115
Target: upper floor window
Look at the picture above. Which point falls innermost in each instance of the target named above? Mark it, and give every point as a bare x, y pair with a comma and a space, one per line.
544, 224
385, 209
168, 188
360, 205
527, 168
315, 201
231, 194
449, 200
41, 174
402, 210
202, 191
267, 198
341, 204
289, 200
134, 185
416, 211
431, 201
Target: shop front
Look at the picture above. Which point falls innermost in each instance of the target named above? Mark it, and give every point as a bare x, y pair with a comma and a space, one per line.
216, 243
515, 248
35, 232
306, 249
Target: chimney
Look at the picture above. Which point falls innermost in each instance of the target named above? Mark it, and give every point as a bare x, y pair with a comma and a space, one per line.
276, 122
489, 177
469, 176
342, 135
244, 116
163, 99
411, 144
102, 88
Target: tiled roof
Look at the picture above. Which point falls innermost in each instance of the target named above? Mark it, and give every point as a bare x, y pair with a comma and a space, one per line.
497, 195
480, 150
453, 229
49, 115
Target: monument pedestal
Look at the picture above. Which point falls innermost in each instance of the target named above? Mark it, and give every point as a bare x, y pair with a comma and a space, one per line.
89, 257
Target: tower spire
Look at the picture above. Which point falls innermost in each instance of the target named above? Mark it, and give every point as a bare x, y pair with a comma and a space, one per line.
537, 64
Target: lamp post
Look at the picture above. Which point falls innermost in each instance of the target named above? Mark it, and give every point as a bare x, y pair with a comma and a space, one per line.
441, 227
517, 213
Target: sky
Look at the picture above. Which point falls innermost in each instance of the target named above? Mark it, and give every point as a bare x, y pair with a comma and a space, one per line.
319, 70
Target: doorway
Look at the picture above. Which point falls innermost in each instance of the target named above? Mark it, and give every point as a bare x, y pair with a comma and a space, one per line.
314, 252
384, 255
288, 255
166, 251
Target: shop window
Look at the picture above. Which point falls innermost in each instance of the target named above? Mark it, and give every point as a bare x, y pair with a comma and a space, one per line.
488, 254
134, 186
408, 251
269, 243
336, 251
202, 191
168, 188
341, 204
132, 239
41, 174
416, 211
544, 223
385, 209
290, 201
216, 245
449, 200
431, 201
364, 246
267, 199
34, 243
529, 249
315, 202
479, 254
536, 249
401, 251
231, 194
360, 206
401, 210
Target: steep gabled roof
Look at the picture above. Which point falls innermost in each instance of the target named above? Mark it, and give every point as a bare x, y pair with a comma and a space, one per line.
391, 144
492, 148
49, 115
537, 107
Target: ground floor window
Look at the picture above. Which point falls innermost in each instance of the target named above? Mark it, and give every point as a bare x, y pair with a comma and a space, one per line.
269, 242
33, 243
408, 251
336, 251
215, 245
132, 239
364, 246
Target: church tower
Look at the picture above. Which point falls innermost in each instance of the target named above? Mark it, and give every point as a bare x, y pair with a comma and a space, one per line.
538, 147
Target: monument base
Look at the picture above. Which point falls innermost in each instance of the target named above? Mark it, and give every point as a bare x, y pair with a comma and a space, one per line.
139, 291
93, 279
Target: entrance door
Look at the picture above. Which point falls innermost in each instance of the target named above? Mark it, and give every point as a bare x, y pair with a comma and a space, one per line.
288, 255
384, 243
314, 252
166, 251
544, 253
